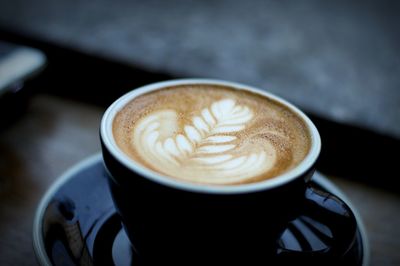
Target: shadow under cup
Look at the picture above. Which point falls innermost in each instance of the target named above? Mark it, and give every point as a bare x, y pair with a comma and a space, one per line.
169, 221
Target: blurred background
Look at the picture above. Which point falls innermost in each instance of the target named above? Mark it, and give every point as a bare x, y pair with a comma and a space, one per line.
339, 61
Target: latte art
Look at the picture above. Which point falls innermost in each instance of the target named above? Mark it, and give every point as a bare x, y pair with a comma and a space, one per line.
210, 134
205, 151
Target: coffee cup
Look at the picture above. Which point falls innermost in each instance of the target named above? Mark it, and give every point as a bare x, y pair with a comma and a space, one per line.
207, 172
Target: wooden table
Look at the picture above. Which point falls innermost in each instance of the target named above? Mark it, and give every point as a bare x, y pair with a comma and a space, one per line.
56, 133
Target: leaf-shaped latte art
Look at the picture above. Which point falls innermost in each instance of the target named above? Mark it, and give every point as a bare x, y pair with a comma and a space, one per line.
206, 150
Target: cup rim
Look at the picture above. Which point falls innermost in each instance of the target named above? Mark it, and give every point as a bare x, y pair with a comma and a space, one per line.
106, 136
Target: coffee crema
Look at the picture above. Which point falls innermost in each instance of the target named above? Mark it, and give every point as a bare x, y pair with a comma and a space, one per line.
211, 134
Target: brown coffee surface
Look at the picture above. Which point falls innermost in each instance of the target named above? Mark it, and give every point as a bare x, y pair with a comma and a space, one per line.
211, 134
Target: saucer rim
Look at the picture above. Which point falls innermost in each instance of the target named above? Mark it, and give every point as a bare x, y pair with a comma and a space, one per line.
38, 242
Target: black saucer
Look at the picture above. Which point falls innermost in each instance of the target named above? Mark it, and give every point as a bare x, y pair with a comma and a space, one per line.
76, 222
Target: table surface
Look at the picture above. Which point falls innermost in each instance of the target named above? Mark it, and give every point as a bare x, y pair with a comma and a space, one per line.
333, 52
56, 133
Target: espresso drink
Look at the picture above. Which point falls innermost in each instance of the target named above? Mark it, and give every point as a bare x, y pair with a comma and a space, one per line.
211, 134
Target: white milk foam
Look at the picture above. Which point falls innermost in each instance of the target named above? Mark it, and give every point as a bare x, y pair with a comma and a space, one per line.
203, 152
214, 144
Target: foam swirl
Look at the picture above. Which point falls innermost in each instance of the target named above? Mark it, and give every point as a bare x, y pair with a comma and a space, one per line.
207, 149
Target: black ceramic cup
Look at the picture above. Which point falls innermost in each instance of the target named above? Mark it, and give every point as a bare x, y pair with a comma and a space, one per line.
282, 220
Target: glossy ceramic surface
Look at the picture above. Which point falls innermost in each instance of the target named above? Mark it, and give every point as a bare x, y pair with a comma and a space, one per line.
77, 224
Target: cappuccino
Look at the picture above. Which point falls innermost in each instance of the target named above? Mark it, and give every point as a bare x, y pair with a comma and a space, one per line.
211, 134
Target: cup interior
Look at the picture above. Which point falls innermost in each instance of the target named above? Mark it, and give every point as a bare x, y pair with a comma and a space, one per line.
106, 135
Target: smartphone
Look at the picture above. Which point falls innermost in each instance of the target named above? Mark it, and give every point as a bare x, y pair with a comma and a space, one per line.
17, 64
